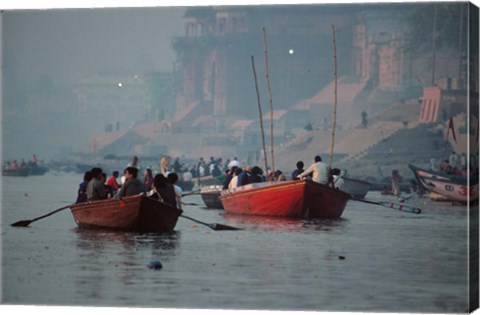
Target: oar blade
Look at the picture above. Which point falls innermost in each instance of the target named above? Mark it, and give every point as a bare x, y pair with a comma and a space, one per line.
23, 223
223, 227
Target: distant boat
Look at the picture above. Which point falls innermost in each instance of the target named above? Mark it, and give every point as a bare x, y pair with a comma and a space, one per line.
133, 213
210, 196
356, 187
452, 188
297, 198
18, 172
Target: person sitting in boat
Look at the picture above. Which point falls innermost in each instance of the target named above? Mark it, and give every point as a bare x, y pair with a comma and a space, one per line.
242, 176
256, 175
14, 164
134, 163
148, 179
112, 181
234, 182
132, 186
298, 170
109, 189
82, 188
279, 176
172, 179
318, 170
163, 191
23, 163
96, 188
337, 178
229, 173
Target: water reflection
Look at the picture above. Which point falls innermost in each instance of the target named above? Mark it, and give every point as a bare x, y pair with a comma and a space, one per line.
110, 259
284, 224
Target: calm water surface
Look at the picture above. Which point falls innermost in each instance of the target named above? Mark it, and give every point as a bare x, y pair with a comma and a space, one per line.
373, 259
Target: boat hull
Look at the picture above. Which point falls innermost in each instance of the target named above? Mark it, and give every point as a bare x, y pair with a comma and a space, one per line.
18, 172
449, 187
297, 199
356, 187
210, 196
134, 213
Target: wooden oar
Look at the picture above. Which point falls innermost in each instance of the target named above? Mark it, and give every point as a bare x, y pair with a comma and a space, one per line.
392, 205
25, 223
213, 226
195, 192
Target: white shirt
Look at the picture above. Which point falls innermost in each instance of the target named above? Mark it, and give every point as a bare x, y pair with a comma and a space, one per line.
319, 172
233, 163
233, 183
338, 181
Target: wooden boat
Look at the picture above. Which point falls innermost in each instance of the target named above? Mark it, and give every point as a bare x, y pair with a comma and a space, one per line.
356, 187
207, 180
186, 185
210, 196
19, 171
133, 213
297, 198
450, 187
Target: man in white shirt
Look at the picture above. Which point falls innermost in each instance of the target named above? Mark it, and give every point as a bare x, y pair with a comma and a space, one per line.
319, 171
233, 163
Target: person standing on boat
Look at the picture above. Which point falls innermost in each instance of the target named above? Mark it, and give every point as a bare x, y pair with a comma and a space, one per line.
96, 188
134, 163
396, 179
298, 171
318, 170
165, 165
132, 186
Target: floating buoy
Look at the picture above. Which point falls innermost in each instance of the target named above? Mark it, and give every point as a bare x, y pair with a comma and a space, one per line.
155, 264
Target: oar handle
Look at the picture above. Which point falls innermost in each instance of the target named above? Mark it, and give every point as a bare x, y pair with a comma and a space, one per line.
392, 205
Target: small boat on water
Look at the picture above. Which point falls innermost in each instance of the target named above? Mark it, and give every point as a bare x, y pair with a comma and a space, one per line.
133, 213
356, 187
452, 188
296, 198
25, 171
210, 196
18, 172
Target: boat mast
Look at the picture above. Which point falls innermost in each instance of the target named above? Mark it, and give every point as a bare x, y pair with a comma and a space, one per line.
260, 112
334, 96
270, 97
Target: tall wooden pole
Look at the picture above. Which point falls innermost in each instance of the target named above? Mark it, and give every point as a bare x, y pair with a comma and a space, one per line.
434, 39
260, 112
270, 97
334, 96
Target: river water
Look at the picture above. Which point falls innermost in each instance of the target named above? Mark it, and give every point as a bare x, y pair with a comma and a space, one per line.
373, 259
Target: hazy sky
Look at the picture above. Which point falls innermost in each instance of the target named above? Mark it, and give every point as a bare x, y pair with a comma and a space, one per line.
71, 44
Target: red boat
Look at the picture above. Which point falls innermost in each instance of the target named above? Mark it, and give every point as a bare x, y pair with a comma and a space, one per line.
296, 198
134, 213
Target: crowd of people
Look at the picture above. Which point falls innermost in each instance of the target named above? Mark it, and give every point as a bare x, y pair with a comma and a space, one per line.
164, 185
15, 164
